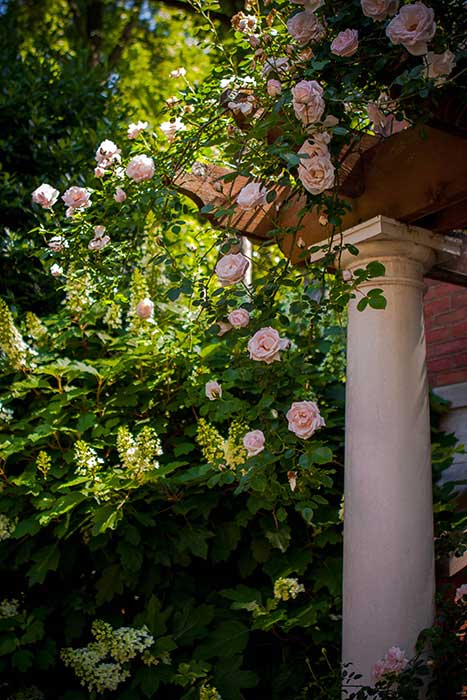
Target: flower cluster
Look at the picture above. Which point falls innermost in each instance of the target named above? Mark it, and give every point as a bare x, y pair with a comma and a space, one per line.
138, 455
7, 527
393, 662
100, 665
43, 463
231, 452
286, 588
11, 342
9, 608
208, 692
87, 461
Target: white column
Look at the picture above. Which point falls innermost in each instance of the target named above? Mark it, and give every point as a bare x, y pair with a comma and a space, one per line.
388, 522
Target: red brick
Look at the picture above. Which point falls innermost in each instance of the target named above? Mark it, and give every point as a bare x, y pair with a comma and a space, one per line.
450, 347
437, 334
438, 306
451, 316
441, 363
459, 330
456, 376
459, 300
461, 359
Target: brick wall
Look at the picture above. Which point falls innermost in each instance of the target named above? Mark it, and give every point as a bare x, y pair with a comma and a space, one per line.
446, 333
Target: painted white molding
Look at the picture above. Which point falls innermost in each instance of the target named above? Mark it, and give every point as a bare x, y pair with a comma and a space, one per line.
455, 393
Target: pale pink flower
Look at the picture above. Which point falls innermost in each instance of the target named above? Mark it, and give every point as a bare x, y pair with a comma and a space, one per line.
100, 240
460, 592
379, 9
213, 390
251, 196
134, 130
317, 147
140, 168
120, 195
276, 65
274, 87
439, 65
177, 73
99, 231
305, 27
56, 270
145, 308
57, 243
304, 418
316, 173
231, 268
240, 318
171, 128
308, 102
99, 171
76, 198
413, 27
253, 442
107, 153
266, 345
346, 43
45, 195
394, 661
312, 5
385, 124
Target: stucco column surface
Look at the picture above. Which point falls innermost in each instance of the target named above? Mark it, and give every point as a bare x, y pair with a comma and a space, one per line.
388, 522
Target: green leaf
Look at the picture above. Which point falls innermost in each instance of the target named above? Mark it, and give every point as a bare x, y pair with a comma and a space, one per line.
378, 302
280, 539
375, 269
105, 518
226, 540
362, 304
190, 623
228, 639
109, 585
22, 660
46, 559
8, 645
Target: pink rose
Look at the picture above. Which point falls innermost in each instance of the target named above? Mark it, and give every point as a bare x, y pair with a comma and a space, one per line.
246, 24
140, 168
177, 73
57, 243
304, 418
134, 130
45, 195
309, 4
170, 129
274, 88
394, 661
76, 198
231, 268
439, 65
413, 27
145, 308
120, 195
213, 390
240, 318
276, 65
99, 171
56, 270
224, 327
316, 173
460, 592
266, 344
379, 9
385, 124
305, 27
251, 196
346, 43
100, 240
253, 442
107, 153
308, 101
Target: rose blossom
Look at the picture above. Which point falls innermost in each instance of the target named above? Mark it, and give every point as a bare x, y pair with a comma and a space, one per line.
413, 27
308, 101
56, 270
107, 153
169, 129
177, 73
277, 65
251, 196
99, 171
305, 27
439, 65
76, 198
240, 318
224, 327
99, 241
57, 243
145, 308
134, 130
213, 390
231, 268
309, 4
140, 168
316, 173
273, 87
120, 195
385, 124
253, 442
394, 661
45, 195
460, 592
266, 344
379, 9
346, 43
304, 418
246, 24
292, 479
